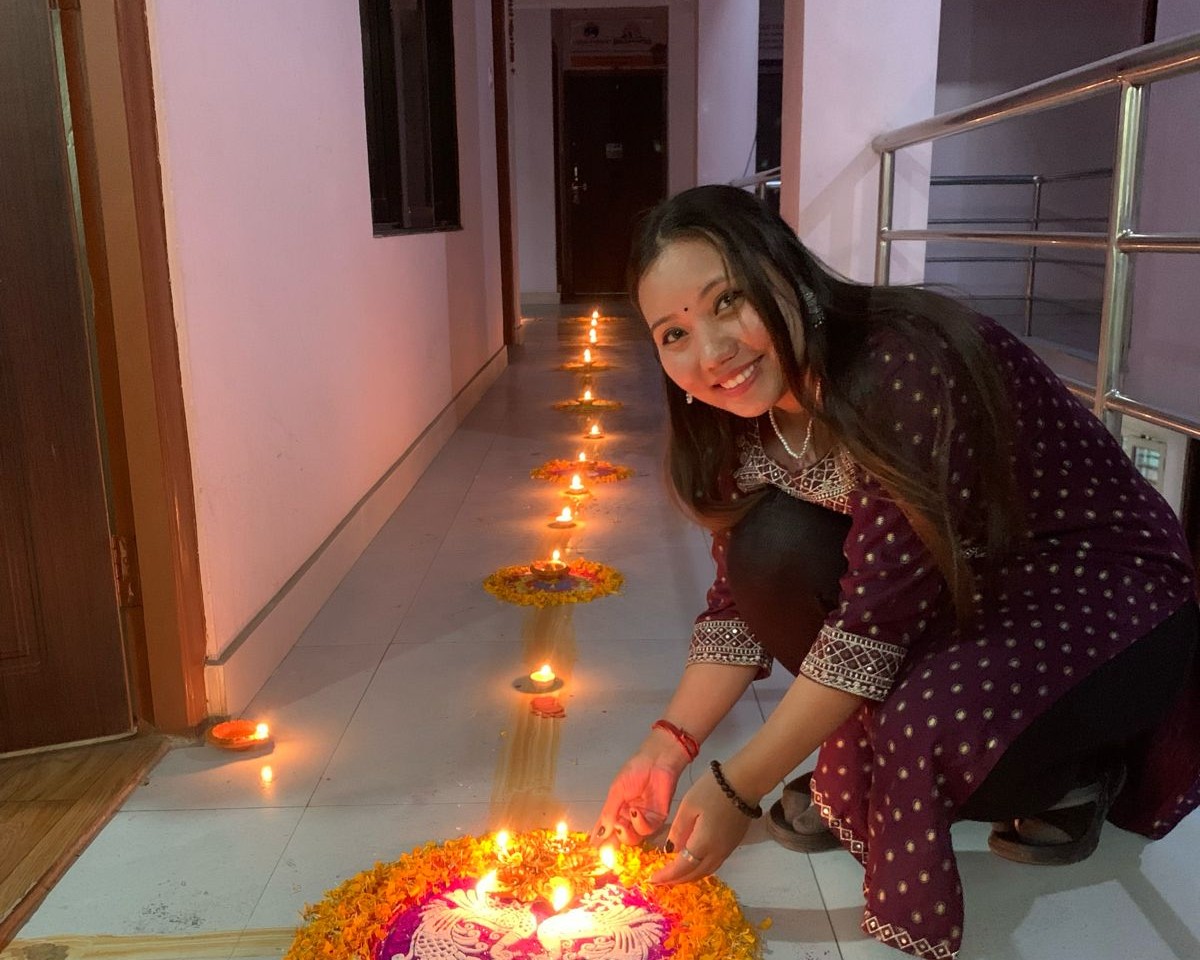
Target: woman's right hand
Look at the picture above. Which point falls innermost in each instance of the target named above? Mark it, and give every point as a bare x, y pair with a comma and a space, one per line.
639, 798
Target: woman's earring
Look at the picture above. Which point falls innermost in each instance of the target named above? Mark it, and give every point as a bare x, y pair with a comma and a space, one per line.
688, 398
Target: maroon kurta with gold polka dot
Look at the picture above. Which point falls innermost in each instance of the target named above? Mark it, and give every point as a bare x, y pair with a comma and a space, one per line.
1104, 563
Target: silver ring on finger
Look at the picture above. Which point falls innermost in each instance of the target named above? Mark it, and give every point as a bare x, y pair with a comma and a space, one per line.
688, 855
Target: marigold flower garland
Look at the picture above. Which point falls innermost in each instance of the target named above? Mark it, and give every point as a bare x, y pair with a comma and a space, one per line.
587, 406
593, 367
597, 471
585, 581
706, 922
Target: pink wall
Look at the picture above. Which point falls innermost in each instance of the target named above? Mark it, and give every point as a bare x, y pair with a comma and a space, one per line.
990, 47
726, 89
1164, 355
313, 354
533, 137
852, 70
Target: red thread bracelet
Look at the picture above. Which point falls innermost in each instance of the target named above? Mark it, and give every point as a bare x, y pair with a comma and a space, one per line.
685, 739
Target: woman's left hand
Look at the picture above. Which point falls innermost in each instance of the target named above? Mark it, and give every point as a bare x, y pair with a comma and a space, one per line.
706, 830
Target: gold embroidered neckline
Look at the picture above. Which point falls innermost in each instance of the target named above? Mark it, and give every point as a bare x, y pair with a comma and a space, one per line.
828, 482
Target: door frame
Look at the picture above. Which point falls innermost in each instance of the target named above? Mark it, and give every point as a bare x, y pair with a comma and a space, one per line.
561, 63
107, 49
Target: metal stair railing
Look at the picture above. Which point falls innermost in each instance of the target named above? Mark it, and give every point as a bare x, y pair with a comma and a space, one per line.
1034, 221
1128, 73
761, 182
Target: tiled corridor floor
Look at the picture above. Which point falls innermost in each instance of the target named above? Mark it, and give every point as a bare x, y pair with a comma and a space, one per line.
394, 713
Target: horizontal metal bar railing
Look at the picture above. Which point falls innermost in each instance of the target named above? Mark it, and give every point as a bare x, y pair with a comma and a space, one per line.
1122, 404
1014, 179
1052, 261
1127, 243
1142, 65
941, 221
760, 180
1126, 74
1024, 238
1159, 243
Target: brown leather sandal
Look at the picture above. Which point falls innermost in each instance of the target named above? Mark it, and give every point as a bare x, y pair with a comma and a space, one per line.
1066, 833
795, 822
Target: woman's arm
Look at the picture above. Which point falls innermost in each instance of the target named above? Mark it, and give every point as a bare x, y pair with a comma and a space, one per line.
705, 694
708, 825
807, 715
640, 796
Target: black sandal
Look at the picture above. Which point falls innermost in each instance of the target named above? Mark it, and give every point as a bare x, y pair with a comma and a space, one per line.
795, 822
1066, 833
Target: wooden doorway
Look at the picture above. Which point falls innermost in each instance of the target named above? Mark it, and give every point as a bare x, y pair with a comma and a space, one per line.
610, 140
63, 675
614, 161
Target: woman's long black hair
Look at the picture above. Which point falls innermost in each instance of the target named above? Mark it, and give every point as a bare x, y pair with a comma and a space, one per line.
821, 326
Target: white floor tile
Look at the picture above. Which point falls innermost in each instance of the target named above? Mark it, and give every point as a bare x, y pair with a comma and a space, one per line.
168, 872
307, 701
428, 729
777, 885
331, 844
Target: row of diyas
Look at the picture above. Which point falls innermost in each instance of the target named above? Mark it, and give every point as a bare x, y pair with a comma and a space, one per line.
555, 568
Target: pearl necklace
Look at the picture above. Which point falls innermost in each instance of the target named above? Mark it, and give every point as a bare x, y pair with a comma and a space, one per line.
786, 446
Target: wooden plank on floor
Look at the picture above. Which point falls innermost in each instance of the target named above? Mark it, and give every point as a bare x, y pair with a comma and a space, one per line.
270, 941
52, 832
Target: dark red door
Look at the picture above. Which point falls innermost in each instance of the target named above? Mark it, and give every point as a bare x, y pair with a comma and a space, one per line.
614, 168
62, 667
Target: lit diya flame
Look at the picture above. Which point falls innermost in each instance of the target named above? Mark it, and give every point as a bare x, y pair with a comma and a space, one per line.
552, 569
587, 395
576, 484
502, 840
543, 674
560, 830
593, 324
595, 316
487, 884
587, 354
582, 457
564, 519
239, 735
266, 774
560, 893
608, 857
592, 336
594, 432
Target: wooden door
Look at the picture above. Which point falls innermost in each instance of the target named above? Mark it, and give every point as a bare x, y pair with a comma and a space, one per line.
613, 168
62, 668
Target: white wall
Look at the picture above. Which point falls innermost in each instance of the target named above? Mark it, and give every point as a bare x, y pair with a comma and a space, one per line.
726, 89
1164, 354
312, 353
532, 125
853, 70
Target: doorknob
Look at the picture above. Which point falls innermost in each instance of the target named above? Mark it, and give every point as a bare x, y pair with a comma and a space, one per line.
577, 186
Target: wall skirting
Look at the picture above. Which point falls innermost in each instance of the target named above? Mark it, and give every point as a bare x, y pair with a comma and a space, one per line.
538, 297
233, 678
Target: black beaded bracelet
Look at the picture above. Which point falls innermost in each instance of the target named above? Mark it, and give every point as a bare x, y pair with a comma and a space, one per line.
743, 807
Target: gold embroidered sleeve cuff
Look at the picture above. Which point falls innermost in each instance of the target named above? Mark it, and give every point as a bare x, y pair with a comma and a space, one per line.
729, 642
858, 665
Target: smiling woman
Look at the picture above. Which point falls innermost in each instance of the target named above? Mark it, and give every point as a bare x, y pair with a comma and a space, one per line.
989, 612
710, 339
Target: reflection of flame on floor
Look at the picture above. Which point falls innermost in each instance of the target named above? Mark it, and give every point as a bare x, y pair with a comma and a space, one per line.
523, 787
